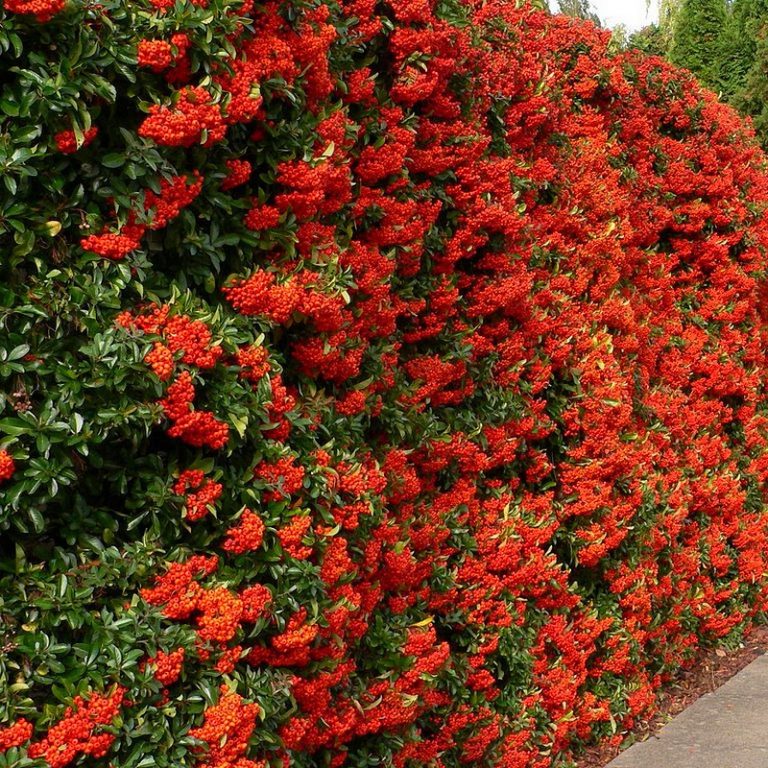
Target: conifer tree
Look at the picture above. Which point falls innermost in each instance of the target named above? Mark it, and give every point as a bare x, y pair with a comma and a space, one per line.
752, 97
738, 46
697, 38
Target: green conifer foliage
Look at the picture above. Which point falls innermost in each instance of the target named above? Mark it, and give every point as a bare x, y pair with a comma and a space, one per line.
697, 38
738, 46
752, 97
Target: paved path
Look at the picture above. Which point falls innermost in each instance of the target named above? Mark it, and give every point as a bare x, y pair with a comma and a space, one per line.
724, 729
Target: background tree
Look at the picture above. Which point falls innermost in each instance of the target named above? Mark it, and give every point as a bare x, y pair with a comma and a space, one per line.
697, 38
738, 46
668, 11
751, 97
649, 40
581, 9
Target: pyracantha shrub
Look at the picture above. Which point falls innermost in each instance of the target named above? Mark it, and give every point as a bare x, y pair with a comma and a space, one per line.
383, 383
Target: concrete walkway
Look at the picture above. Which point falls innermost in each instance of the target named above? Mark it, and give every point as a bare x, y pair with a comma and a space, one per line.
724, 729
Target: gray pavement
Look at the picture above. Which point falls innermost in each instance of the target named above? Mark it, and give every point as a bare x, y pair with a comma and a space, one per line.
724, 729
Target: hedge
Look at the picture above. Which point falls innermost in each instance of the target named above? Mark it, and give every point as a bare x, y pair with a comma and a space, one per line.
384, 383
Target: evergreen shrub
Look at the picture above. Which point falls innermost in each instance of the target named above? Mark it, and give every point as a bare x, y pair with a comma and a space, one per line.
383, 383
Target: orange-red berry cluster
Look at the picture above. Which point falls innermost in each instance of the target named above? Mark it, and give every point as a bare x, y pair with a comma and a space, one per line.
193, 338
261, 295
160, 55
292, 537
284, 475
253, 361
183, 125
197, 428
226, 732
168, 666
160, 360
238, 173
162, 207
207, 492
16, 734
261, 217
290, 648
114, 245
174, 196
42, 10
66, 141
7, 466
247, 535
77, 733
176, 590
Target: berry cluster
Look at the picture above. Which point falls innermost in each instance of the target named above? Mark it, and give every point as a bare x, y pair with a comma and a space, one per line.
284, 475
174, 196
246, 536
160, 360
66, 141
183, 125
254, 362
7, 465
238, 173
42, 10
168, 666
206, 493
196, 428
176, 590
114, 245
162, 55
76, 733
15, 735
162, 208
226, 732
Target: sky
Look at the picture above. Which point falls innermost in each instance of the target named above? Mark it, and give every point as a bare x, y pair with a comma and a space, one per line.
631, 13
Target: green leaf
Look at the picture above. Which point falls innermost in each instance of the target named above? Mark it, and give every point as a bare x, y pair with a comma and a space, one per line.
14, 427
10, 107
113, 160
38, 522
18, 352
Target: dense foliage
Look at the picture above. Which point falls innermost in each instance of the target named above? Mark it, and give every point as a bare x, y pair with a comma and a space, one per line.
384, 383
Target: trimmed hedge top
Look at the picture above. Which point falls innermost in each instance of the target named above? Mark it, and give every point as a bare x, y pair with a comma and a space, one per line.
384, 383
